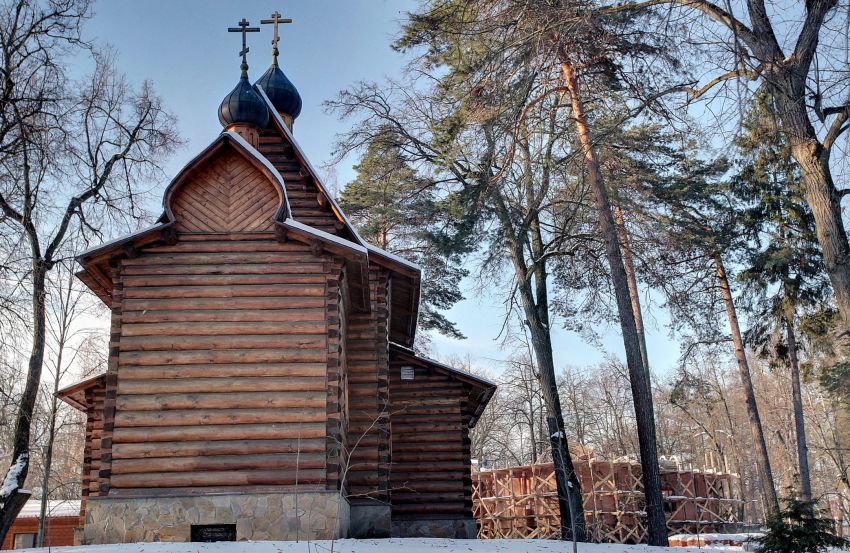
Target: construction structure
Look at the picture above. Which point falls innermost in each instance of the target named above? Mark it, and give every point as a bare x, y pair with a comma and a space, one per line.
521, 502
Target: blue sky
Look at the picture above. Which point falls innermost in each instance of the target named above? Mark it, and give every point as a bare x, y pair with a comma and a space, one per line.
185, 49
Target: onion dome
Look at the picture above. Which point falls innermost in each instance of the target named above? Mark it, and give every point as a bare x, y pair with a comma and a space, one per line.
280, 90
243, 105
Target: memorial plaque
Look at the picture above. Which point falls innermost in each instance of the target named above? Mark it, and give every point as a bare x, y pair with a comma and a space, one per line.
213, 532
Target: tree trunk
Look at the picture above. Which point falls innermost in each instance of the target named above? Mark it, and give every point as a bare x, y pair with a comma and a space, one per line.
51, 436
536, 312
797, 398
820, 192
656, 521
12, 501
634, 293
762, 459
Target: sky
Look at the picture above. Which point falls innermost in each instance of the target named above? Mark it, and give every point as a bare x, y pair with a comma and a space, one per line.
184, 48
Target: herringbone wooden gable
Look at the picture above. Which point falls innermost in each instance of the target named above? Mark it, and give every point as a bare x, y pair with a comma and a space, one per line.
226, 194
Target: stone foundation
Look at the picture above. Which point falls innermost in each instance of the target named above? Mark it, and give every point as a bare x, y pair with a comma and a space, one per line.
320, 515
370, 521
456, 528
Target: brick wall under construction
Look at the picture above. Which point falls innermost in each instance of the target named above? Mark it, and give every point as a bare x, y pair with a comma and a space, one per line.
521, 502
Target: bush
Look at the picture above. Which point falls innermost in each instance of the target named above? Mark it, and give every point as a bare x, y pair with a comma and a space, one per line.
799, 528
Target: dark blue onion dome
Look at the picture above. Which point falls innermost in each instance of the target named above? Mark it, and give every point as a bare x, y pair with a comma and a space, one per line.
281, 91
243, 105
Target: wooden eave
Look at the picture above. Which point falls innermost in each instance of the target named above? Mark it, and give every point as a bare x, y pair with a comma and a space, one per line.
481, 389
404, 295
97, 262
75, 394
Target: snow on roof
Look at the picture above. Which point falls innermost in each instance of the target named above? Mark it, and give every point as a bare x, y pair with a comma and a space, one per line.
392, 256
55, 508
324, 235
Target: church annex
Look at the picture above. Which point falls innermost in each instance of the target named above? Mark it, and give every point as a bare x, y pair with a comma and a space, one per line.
261, 382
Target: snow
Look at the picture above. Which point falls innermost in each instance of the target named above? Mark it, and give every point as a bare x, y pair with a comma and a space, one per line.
324, 235
55, 508
10, 483
408, 545
390, 255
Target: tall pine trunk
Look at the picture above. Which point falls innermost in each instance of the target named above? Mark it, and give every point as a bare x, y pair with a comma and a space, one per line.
642, 397
762, 459
13, 501
797, 400
634, 293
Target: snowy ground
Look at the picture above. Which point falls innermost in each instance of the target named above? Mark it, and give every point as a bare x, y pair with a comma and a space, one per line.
375, 546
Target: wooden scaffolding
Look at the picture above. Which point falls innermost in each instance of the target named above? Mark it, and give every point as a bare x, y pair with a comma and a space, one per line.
521, 502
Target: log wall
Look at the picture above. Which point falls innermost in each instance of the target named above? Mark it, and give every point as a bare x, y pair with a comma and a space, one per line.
221, 368
430, 473
367, 477
92, 453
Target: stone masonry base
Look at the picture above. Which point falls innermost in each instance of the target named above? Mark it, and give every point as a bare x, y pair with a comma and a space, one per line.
320, 515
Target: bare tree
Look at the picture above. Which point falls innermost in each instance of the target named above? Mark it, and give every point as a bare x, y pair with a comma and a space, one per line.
69, 165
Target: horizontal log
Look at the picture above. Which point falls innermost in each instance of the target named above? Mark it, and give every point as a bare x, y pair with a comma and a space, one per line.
455, 486
222, 400
220, 258
131, 372
215, 244
225, 315
301, 384
219, 432
218, 478
223, 280
216, 328
430, 457
225, 447
259, 341
404, 431
290, 461
173, 304
429, 508
228, 291
190, 417
399, 476
256, 268
222, 356
448, 445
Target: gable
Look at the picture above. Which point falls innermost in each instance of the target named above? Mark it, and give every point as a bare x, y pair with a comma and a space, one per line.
225, 194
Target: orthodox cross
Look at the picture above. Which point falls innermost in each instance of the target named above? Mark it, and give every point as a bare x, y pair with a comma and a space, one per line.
275, 20
244, 28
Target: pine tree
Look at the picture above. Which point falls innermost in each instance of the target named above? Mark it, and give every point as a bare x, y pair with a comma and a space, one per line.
784, 270
798, 528
395, 209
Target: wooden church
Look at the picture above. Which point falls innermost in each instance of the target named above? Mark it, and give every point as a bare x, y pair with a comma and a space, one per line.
261, 383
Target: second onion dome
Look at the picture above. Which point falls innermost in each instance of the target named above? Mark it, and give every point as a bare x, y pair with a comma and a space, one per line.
280, 90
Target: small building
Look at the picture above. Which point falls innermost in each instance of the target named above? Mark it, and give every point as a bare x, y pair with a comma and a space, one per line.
62, 520
261, 381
